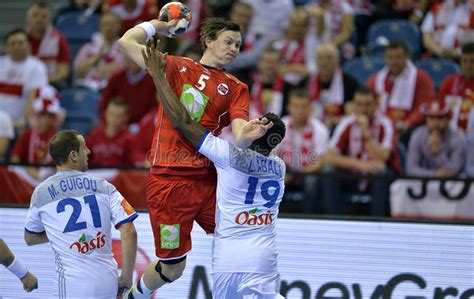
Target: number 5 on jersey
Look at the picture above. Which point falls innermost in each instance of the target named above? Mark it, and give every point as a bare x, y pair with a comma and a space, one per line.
202, 82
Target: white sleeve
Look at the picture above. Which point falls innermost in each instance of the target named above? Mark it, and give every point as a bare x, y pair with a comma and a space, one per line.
428, 23
6, 126
37, 77
321, 138
215, 149
121, 211
33, 221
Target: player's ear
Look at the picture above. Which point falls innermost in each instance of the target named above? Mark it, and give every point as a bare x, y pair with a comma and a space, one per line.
208, 41
73, 156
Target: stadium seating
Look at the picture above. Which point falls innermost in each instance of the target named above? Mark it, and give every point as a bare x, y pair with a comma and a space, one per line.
81, 106
438, 69
77, 29
361, 68
382, 32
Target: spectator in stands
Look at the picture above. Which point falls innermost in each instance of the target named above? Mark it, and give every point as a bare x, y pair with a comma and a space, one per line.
363, 143
252, 44
267, 87
270, 17
334, 20
294, 50
330, 88
302, 148
20, 77
132, 12
402, 87
435, 149
6, 134
457, 91
48, 44
447, 26
111, 143
32, 145
470, 154
125, 85
99, 59
412, 10
87, 7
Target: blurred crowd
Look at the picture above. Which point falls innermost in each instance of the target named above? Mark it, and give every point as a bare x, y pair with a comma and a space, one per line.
408, 116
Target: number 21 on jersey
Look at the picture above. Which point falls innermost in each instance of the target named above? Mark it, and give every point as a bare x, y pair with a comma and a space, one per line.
72, 224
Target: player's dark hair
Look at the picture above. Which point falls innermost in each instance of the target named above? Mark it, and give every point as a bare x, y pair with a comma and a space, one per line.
468, 48
265, 144
398, 44
13, 32
211, 27
62, 143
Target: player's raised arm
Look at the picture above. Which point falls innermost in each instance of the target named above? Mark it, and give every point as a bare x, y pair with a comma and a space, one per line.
134, 40
177, 114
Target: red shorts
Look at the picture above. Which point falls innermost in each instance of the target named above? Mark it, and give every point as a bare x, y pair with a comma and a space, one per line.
174, 203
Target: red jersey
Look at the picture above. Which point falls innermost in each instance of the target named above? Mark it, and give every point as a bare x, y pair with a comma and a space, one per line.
106, 151
212, 97
458, 93
32, 147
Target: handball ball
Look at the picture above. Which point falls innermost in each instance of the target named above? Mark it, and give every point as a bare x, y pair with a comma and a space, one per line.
176, 11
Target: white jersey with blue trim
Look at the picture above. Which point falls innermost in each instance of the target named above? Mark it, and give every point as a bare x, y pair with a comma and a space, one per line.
250, 187
77, 211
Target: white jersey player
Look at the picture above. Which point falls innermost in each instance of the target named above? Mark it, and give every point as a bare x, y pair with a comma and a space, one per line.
250, 186
75, 212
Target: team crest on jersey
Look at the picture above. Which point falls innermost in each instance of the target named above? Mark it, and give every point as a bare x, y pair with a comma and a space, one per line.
194, 101
87, 244
169, 235
222, 89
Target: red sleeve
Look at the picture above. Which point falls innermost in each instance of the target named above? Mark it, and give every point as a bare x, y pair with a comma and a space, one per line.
239, 105
445, 87
21, 146
64, 53
424, 93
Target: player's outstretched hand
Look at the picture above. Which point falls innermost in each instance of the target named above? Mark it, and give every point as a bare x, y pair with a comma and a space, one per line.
155, 61
30, 282
255, 129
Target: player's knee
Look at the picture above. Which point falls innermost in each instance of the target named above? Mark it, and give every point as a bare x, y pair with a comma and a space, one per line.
170, 271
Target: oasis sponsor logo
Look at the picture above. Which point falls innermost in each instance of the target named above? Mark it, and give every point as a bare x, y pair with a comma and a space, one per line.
254, 217
88, 244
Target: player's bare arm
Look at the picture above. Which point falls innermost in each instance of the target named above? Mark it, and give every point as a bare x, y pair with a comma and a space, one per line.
35, 239
155, 63
128, 236
7, 258
134, 40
